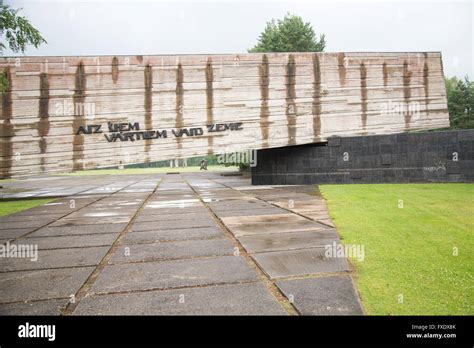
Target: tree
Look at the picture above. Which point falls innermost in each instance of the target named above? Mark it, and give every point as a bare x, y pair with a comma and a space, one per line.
18, 32
289, 35
460, 94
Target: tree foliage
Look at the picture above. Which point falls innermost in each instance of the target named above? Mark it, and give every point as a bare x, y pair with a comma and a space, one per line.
291, 34
16, 32
460, 94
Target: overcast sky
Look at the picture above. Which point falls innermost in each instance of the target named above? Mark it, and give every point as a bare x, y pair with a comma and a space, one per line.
155, 27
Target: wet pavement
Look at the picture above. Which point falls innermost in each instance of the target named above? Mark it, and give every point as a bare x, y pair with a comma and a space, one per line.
194, 243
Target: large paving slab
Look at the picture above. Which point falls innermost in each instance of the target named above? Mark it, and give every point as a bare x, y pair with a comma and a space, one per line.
166, 198
332, 295
173, 235
234, 299
14, 233
75, 241
235, 205
151, 209
22, 218
65, 207
90, 221
42, 284
44, 307
174, 204
263, 219
292, 263
327, 222
172, 274
58, 258
288, 241
78, 230
285, 194
274, 227
301, 205
95, 212
173, 250
250, 212
315, 215
170, 217
173, 224
25, 224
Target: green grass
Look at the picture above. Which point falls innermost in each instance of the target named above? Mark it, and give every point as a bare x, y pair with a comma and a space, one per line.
151, 170
6, 180
8, 207
409, 250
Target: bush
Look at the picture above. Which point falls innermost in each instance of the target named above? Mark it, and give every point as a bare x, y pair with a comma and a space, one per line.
460, 94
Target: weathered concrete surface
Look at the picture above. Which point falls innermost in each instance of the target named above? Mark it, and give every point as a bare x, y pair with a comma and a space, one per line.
168, 217
152, 238
25, 224
88, 221
288, 241
280, 264
14, 233
42, 284
25, 218
267, 100
78, 230
44, 307
334, 295
173, 250
274, 223
155, 209
173, 235
61, 242
172, 224
251, 212
284, 245
234, 299
56, 258
173, 274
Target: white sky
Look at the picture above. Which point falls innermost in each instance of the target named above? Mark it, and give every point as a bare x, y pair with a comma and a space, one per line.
168, 27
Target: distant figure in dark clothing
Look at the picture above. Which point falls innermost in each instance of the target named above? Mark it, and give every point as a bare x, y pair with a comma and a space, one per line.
203, 164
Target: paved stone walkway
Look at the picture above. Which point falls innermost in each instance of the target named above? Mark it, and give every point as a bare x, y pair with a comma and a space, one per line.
172, 244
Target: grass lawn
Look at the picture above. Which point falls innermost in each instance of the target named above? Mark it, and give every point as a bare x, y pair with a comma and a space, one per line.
8, 207
410, 233
6, 180
151, 170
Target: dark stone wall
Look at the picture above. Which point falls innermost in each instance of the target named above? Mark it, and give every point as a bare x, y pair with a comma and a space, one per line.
394, 158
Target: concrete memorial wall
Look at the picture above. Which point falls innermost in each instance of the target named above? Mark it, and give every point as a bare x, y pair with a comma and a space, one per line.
63, 114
